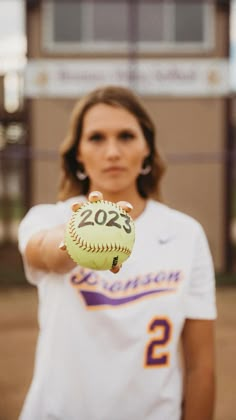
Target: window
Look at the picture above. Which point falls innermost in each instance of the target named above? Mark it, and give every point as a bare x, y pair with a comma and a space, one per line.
111, 26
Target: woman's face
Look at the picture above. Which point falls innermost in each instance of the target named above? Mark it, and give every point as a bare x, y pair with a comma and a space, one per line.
112, 149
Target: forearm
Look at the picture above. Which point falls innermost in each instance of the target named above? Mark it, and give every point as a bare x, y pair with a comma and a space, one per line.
199, 395
43, 251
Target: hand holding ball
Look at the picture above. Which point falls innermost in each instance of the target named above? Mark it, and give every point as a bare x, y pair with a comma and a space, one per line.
100, 234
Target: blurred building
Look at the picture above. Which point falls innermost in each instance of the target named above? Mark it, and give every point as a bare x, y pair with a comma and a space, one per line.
13, 136
175, 55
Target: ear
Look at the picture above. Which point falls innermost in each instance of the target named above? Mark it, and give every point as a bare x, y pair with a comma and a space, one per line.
146, 158
78, 157
147, 151
146, 155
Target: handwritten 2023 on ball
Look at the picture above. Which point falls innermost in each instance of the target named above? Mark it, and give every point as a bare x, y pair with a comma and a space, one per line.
100, 235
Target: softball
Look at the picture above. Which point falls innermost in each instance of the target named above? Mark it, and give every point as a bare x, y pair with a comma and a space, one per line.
99, 235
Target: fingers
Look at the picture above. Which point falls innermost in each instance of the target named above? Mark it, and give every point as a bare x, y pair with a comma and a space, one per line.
95, 196
125, 205
62, 246
116, 268
76, 206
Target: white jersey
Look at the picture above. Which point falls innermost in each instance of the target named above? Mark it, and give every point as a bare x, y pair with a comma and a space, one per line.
108, 343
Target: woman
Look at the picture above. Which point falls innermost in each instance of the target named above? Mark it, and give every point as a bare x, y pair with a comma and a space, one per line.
120, 361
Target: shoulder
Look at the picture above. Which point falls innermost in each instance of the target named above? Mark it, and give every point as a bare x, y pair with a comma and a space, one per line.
56, 209
174, 220
44, 216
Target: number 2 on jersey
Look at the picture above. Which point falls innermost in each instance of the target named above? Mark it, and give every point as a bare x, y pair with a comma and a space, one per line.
156, 354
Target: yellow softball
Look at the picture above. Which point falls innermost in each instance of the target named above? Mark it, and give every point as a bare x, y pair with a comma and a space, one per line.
100, 235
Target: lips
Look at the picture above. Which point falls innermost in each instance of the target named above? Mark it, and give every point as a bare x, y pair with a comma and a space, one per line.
115, 169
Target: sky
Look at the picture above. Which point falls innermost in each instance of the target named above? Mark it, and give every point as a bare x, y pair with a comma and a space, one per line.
12, 33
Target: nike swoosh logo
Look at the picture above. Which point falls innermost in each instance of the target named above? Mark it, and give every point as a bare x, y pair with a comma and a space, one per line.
163, 241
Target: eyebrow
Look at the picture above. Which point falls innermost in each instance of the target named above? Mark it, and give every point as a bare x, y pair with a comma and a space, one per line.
102, 131
94, 131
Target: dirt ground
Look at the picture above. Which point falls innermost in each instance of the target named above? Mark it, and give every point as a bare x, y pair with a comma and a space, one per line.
18, 332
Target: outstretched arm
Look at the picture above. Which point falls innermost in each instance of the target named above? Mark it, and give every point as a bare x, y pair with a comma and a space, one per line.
43, 250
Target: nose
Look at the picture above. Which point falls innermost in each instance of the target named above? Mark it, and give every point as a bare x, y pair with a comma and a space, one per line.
112, 149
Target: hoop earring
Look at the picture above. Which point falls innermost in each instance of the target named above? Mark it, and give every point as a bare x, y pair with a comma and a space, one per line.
146, 170
81, 175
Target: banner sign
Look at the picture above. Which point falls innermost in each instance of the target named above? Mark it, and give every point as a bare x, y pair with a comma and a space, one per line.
72, 78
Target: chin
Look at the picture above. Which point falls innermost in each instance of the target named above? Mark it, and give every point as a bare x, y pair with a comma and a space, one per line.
113, 187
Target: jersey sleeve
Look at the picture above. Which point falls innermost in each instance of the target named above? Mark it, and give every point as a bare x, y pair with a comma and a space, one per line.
40, 217
201, 299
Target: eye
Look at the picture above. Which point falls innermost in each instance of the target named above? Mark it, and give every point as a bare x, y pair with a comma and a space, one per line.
126, 135
96, 137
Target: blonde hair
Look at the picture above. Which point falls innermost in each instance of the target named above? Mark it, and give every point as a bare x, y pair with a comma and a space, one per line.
121, 97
